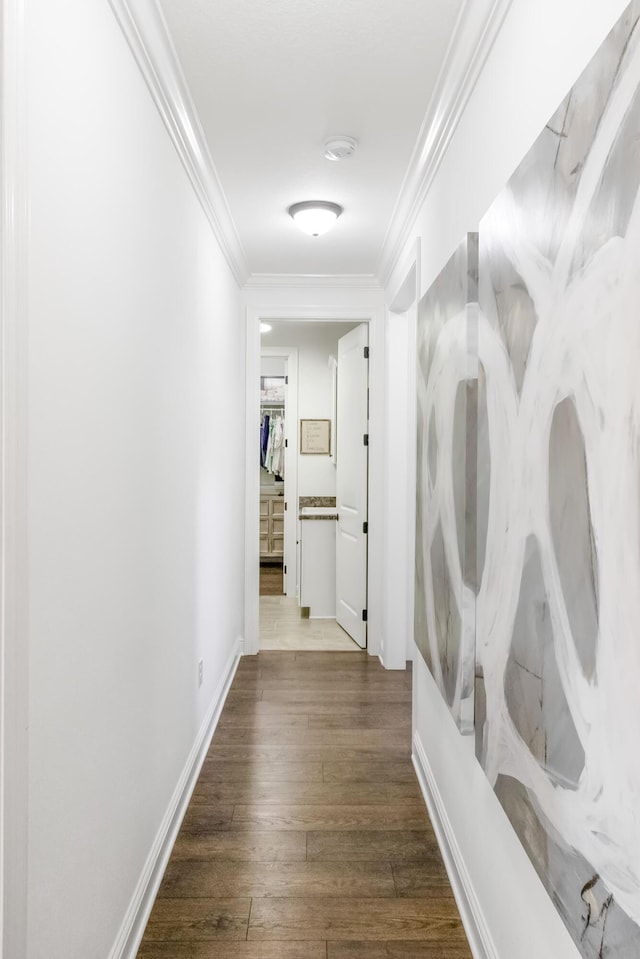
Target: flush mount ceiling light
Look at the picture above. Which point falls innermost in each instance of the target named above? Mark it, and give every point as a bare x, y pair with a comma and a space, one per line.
265, 328
314, 217
339, 148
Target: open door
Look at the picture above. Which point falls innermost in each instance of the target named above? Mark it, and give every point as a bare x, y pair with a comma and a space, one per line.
352, 428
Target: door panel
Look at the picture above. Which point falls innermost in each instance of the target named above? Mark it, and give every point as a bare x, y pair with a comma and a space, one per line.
351, 483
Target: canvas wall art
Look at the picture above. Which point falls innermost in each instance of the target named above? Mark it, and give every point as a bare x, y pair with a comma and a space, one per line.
558, 501
445, 587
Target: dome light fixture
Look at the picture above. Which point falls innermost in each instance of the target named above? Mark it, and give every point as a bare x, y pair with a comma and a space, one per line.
265, 328
314, 217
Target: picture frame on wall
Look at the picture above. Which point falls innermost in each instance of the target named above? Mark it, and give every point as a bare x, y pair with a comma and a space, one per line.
315, 437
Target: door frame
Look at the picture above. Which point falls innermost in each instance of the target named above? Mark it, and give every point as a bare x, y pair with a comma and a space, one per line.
400, 367
290, 355
315, 314
14, 635
352, 528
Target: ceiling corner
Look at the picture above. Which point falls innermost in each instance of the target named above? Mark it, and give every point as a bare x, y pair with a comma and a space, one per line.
478, 24
146, 33
366, 283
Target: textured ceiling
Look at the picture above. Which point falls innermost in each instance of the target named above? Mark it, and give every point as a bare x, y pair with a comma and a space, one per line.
272, 79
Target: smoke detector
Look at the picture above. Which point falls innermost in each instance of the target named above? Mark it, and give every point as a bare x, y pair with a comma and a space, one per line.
339, 148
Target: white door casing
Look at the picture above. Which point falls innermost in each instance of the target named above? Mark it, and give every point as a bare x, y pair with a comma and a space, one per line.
333, 306
352, 426
400, 462
14, 406
290, 356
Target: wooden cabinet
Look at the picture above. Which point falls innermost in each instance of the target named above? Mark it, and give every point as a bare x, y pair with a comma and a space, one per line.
271, 526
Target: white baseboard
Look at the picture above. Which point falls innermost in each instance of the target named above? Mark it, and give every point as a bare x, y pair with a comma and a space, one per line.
480, 940
135, 921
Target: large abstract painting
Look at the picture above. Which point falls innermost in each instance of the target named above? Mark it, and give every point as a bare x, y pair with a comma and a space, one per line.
558, 501
445, 594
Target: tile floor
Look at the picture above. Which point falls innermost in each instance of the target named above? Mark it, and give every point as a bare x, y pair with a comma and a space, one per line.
282, 628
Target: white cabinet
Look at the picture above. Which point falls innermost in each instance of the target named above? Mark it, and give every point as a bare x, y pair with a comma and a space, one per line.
318, 561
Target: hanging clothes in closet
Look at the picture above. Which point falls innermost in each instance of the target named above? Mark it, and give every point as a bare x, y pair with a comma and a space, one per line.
277, 464
264, 438
272, 444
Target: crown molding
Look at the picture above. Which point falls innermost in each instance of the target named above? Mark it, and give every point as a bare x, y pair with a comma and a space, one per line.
147, 34
405, 291
346, 281
476, 29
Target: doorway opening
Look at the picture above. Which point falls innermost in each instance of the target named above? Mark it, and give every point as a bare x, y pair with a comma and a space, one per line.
297, 512
273, 415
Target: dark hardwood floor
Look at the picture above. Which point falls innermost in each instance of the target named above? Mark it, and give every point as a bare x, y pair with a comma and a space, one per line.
271, 581
307, 836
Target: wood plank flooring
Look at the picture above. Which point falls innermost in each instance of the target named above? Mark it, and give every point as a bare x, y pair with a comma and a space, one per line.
271, 579
307, 836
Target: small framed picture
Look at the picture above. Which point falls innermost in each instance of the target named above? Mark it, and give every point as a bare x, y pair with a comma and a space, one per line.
315, 437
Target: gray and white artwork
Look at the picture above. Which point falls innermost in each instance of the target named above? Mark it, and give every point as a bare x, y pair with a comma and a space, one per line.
558, 501
445, 593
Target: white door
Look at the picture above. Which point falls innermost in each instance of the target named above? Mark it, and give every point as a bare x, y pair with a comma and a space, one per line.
286, 559
352, 427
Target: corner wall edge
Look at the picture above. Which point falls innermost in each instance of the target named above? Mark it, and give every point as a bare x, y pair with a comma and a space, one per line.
147, 35
464, 60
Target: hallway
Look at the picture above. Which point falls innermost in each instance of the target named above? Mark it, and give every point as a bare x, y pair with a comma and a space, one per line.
307, 836
151, 156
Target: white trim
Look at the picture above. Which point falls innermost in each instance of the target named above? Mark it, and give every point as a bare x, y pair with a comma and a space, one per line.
314, 314
378, 561
412, 457
147, 34
137, 915
14, 636
305, 313
366, 282
480, 939
290, 354
403, 289
476, 29
403, 299
252, 489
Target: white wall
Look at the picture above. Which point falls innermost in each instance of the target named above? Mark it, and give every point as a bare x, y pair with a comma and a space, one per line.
272, 366
315, 342
136, 560
540, 51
